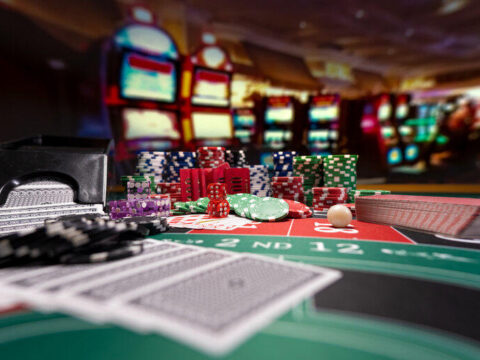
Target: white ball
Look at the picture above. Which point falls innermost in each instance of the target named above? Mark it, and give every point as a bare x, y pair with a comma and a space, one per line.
339, 216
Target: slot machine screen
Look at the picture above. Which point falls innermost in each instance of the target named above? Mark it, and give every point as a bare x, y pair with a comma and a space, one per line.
148, 78
401, 111
394, 156
324, 108
384, 111
146, 123
211, 88
243, 134
243, 119
279, 111
315, 136
277, 136
212, 125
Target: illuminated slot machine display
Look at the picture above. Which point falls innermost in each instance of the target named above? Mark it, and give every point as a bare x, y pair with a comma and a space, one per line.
407, 132
244, 121
206, 87
323, 113
143, 67
424, 123
278, 122
388, 130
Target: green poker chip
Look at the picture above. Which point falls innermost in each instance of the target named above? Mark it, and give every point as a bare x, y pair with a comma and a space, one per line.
182, 206
269, 209
241, 205
202, 204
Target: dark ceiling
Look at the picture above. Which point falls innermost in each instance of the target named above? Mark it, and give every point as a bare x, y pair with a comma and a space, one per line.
404, 35
392, 37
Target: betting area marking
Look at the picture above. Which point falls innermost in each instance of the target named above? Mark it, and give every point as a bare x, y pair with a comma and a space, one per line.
313, 227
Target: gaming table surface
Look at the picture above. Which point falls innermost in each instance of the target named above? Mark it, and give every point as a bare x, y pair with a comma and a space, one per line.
403, 295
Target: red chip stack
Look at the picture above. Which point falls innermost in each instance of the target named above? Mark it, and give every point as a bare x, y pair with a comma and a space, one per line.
172, 189
325, 197
210, 156
218, 205
288, 187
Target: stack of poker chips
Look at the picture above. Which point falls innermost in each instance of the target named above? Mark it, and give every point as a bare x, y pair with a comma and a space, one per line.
218, 206
158, 206
353, 194
138, 189
259, 180
140, 178
178, 160
77, 239
174, 190
324, 197
340, 171
311, 169
236, 158
283, 163
210, 157
151, 163
288, 187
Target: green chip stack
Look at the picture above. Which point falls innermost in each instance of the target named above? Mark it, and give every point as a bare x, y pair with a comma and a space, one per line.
311, 169
340, 171
352, 194
141, 178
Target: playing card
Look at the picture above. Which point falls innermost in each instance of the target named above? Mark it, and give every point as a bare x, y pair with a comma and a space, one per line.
203, 221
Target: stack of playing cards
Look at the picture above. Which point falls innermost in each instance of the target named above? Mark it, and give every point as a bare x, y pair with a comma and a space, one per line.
208, 298
458, 217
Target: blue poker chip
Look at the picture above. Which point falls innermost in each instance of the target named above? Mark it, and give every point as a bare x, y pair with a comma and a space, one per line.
182, 155
181, 165
283, 168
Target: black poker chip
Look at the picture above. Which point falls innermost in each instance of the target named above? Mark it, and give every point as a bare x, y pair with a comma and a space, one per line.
75, 239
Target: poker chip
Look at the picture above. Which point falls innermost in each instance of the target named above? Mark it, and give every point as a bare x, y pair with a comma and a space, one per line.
340, 171
298, 210
310, 168
178, 160
288, 187
236, 158
75, 239
283, 163
353, 194
121, 252
259, 180
210, 157
151, 163
325, 197
268, 209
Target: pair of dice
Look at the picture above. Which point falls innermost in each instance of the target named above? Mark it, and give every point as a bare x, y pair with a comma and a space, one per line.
218, 206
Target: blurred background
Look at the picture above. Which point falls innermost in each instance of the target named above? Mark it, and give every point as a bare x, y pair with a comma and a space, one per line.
397, 82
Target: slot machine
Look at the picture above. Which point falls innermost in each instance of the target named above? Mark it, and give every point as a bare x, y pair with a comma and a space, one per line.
206, 87
406, 131
323, 123
281, 116
141, 87
390, 138
244, 122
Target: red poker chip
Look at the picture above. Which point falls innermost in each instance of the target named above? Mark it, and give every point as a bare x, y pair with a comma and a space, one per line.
287, 179
329, 198
297, 209
329, 190
290, 187
217, 148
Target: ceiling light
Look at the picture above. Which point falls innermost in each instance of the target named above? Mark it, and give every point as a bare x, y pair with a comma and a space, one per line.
360, 13
451, 6
409, 32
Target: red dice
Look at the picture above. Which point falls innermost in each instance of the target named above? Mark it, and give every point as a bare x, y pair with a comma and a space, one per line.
218, 205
